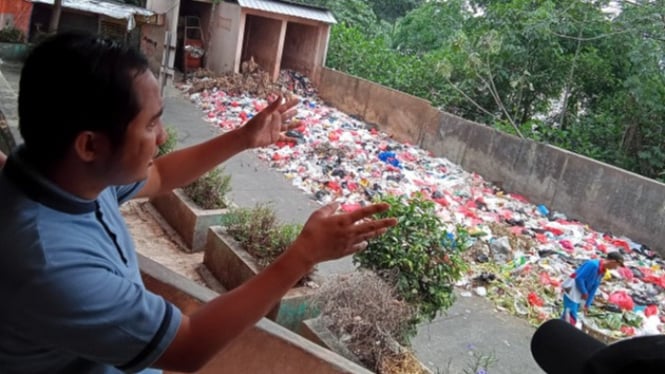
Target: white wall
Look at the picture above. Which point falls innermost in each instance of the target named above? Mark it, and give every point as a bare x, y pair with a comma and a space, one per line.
228, 27
171, 9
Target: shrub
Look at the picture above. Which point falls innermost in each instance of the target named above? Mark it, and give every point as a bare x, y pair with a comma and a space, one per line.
210, 190
11, 35
257, 231
170, 143
419, 255
365, 312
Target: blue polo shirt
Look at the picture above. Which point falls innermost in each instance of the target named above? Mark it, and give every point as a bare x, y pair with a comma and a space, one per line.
72, 298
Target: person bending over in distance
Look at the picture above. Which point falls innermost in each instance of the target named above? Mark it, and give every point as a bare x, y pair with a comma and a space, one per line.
73, 300
582, 285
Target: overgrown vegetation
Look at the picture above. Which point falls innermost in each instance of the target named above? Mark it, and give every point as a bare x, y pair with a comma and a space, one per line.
11, 35
418, 255
570, 73
367, 315
210, 190
259, 233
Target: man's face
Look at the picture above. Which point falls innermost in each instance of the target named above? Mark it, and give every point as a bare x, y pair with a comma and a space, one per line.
612, 264
144, 135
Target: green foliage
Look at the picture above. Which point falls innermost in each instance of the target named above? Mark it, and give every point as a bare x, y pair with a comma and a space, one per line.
561, 72
352, 13
170, 143
210, 190
257, 231
424, 256
420, 30
391, 10
11, 35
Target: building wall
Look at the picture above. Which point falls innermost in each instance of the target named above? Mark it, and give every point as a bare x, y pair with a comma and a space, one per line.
261, 41
227, 23
152, 45
16, 13
171, 10
300, 47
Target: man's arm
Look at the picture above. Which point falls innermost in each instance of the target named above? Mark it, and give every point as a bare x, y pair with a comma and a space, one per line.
180, 168
325, 236
582, 274
3, 158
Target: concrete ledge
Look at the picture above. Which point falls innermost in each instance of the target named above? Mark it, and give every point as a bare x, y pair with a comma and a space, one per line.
401, 115
186, 218
265, 348
14, 51
232, 266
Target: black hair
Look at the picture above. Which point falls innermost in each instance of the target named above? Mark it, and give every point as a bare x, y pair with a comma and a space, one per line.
74, 82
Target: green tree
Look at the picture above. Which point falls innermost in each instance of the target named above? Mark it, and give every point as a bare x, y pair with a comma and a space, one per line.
430, 26
391, 10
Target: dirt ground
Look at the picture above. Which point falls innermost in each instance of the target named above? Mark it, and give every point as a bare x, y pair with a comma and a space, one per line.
156, 240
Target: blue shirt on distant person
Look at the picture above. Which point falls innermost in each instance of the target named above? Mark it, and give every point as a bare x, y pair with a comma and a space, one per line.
70, 282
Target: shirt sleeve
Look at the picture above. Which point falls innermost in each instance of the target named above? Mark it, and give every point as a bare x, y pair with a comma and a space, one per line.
126, 192
97, 315
582, 274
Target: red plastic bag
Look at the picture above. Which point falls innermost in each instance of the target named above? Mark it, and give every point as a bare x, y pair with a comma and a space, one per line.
651, 310
628, 330
622, 300
626, 273
534, 299
545, 279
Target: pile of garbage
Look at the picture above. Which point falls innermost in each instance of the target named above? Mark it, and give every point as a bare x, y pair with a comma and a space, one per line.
252, 80
520, 253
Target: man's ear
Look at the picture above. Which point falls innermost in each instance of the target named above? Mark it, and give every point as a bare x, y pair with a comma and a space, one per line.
90, 145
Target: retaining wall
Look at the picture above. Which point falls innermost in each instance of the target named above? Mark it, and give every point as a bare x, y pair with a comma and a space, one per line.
607, 198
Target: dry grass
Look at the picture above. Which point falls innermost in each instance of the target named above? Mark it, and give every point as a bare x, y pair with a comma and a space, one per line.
363, 311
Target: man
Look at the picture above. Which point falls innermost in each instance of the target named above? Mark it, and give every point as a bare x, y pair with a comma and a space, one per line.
583, 284
72, 296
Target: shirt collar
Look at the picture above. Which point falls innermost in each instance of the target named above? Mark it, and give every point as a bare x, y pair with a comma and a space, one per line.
33, 184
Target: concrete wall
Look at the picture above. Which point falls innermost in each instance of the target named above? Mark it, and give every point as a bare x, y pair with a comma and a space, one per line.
607, 198
300, 47
265, 348
262, 41
152, 45
171, 11
402, 116
16, 13
228, 24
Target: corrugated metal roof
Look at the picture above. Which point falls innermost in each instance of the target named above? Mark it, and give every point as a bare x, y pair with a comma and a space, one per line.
110, 9
289, 9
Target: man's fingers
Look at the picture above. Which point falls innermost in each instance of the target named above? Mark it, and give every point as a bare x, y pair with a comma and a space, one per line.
329, 209
286, 138
373, 227
368, 211
275, 105
286, 116
359, 246
290, 103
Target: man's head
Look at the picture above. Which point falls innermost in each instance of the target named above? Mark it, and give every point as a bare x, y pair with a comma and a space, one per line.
613, 260
79, 95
